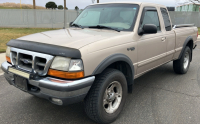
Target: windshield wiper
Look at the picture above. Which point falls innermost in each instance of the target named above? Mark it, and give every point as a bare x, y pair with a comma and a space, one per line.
76, 25
102, 26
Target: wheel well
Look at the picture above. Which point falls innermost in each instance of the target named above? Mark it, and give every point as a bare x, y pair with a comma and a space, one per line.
126, 70
190, 45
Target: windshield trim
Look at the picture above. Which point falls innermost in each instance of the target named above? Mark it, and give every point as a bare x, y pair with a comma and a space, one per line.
131, 29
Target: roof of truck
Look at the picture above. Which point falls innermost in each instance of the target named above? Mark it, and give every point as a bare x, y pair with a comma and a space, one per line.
129, 2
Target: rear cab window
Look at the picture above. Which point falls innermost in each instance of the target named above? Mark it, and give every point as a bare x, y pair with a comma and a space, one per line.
166, 19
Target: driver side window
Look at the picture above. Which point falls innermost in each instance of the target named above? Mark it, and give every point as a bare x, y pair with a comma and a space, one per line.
151, 17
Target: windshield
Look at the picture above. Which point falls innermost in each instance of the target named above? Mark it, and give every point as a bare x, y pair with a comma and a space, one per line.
121, 16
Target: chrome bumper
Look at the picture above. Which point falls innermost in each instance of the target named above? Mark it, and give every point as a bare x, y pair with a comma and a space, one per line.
69, 91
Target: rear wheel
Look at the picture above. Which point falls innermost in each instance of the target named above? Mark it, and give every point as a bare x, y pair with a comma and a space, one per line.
106, 97
182, 65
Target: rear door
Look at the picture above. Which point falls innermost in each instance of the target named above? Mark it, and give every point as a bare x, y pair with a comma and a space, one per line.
169, 35
151, 47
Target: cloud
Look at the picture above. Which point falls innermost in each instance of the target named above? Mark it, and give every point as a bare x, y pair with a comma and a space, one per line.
83, 3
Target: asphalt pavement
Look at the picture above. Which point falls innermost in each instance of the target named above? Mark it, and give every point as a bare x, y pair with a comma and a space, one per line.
159, 97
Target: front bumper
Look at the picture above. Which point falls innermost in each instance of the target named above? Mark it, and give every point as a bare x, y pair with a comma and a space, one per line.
68, 91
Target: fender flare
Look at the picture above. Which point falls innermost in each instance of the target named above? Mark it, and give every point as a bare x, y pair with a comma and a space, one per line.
184, 46
112, 59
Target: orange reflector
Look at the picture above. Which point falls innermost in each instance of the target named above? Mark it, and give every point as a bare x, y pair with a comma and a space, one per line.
8, 59
66, 75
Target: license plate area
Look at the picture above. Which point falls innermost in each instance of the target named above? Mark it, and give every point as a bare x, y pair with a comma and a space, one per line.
19, 72
21, 83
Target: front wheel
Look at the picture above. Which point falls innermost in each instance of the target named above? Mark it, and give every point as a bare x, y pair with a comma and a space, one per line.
182, 65
106, 97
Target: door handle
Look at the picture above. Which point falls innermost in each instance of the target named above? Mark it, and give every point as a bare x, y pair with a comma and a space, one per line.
163, 39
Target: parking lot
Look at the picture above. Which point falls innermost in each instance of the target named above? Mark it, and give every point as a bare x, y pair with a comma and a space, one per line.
160, 97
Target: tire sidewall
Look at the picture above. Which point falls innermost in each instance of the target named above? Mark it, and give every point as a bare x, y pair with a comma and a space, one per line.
115, 76
187, 49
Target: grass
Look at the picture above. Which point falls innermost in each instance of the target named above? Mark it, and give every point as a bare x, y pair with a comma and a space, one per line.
199, 31
6, 34
9, 5
2, 7
23, 7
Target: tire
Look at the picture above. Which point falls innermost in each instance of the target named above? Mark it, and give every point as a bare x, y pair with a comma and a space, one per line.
97, 102
182, 65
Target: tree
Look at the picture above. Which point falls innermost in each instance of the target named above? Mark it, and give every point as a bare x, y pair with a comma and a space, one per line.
181, 2
60, 7
51, 5
76, 8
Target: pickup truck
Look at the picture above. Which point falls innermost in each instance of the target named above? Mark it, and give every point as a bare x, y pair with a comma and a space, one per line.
97, 58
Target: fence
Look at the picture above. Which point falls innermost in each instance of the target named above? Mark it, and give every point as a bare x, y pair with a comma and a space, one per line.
55, 18
35, 18
185, 18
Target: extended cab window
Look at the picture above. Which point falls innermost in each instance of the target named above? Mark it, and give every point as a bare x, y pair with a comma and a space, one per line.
151, 17
166, 19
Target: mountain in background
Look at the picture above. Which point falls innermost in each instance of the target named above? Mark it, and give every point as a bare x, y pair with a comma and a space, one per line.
17, 6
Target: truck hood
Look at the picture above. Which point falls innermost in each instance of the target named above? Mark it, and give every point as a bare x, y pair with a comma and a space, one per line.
71, 37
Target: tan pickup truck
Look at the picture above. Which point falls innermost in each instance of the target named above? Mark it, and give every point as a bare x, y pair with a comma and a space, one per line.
97, 59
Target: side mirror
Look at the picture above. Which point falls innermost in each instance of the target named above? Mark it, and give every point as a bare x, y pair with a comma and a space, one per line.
70, 24
148, 29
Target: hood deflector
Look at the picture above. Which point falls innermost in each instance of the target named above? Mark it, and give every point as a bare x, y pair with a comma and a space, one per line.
45, 48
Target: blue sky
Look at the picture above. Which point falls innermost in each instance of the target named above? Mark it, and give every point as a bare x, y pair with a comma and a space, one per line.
83, 3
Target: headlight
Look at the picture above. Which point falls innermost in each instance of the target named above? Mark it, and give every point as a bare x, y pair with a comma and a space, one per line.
8, 55
67, 64
61, 63
76, 65
66, 68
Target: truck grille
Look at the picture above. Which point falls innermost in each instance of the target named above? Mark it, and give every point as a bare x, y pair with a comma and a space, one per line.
31, 61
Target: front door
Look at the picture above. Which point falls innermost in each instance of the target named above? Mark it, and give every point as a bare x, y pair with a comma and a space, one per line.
151, 47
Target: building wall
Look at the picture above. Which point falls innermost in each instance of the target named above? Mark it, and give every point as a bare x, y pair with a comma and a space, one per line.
188, 8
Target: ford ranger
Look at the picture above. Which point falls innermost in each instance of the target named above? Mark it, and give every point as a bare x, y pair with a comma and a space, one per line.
98, 58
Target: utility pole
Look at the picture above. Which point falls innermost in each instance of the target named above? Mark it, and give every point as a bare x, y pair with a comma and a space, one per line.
34, 12
20, 4
65, 5
97, 1
64, 14
34, 4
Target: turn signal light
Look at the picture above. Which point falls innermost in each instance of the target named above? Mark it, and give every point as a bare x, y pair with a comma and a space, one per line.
8, 59
66, 75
